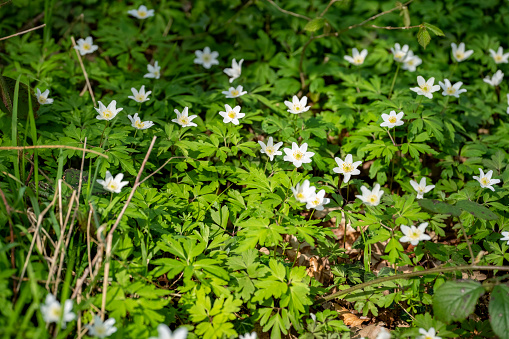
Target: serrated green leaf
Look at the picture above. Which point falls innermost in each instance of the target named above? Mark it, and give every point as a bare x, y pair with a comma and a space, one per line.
423, 37
439, 207
479, 211
455, 300
499, 311
434, 29
315, 24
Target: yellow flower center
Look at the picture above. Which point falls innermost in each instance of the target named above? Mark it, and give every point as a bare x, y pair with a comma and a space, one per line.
298, 155
420, 189
234, 92
139, 124
459, 55
485, 181
206, 57
393, 119
56, 311
232, 114
140, 97
498, 58
300, 195
156, 73
86, 46
425, 88
107, 114
184, 121
316, 202
142, 14
296, 108
428, 337
399, 55
410, 62
42, 99
414, 235
113, 186
358, 60
450, 90
373, 198
100, 330
269, 150
347, 167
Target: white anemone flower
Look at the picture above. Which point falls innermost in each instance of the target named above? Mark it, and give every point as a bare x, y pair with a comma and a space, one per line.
52, 311
165, 333
485, 180
429, 334
505, 237
392, 119
297, 106
347, 167
101, 329
421, 187
451, 90
414, 234
459, 53
371, 198
252, 335
233, 92
141, 13
153, 71
304, 192
140, 96
411, 62
317, 201
270, 149
399, 53
206, 58
86, 46
183, 119
107, 113
357, 58
496, 79
231, 114
235, 71
42, 98
425, 88
111, 184
138, 124
298, 155
499, 56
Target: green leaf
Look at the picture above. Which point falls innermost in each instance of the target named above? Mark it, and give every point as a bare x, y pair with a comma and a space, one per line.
439, 207
479, 211
434, 29
423, 37
455, 300
314, 24
499, 311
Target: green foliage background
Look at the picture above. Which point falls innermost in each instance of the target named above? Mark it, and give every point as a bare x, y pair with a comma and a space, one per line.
186, 249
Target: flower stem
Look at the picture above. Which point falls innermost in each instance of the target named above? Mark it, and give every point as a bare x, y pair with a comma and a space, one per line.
418, 104
445, 105
453, 70
102, 135
394, 80
390, 136
311, 215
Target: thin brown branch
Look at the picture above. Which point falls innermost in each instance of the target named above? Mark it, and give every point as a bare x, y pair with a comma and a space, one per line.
84, 71
437, 270
7, 148
288, 12
379, 15
328, 7
22, 32
390, 27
